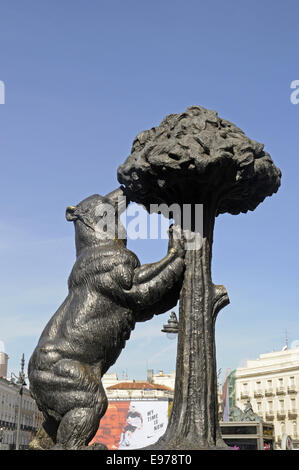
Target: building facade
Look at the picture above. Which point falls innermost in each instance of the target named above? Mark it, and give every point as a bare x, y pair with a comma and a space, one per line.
30, 417
159, 378
271, 383
227, 399
3, 362
155, 378
138, 390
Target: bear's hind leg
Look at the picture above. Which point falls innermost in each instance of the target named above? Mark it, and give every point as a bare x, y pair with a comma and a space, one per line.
77, 428
80, 403
50, 425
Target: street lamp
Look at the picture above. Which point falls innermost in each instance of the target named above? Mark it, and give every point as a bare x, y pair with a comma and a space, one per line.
172, 327
21, 382
1, 437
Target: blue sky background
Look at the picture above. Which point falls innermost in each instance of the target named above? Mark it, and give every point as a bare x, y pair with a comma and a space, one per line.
82, 79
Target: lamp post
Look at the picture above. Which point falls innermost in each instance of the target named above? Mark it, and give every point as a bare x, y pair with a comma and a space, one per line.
172, 327
21, 382
1, 437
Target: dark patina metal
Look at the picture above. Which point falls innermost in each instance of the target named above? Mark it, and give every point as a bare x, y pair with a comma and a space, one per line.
196, 157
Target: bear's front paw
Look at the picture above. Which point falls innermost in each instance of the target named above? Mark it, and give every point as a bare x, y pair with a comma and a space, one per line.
176, 240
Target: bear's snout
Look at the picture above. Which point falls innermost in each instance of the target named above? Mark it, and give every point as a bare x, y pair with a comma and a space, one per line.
70, 213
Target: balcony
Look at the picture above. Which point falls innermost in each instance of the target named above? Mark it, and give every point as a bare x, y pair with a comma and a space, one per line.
258, 393
269, 416
281, 415
244, 395
292, 389
292, 414
269, 392
280, 391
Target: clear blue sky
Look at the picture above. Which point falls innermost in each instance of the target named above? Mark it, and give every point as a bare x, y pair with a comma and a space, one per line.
82, 79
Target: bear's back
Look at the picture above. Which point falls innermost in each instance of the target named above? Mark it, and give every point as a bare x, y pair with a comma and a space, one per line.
104, 269
95, 304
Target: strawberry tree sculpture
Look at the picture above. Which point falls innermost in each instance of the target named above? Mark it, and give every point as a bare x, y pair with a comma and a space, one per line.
196, 157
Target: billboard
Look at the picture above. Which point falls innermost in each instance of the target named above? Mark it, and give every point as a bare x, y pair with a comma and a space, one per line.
132, 424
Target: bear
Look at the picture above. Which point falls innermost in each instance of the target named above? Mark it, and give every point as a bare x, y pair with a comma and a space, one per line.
108, 292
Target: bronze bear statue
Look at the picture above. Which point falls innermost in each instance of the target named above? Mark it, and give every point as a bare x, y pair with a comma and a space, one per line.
109, 291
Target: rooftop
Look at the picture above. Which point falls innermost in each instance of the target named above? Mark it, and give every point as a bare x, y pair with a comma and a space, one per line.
138, 385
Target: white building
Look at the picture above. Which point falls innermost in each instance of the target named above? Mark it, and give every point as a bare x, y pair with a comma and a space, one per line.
161, 379
138, 390
30, 420
3, 362
110, 379
158, 378
271, 383
27, 421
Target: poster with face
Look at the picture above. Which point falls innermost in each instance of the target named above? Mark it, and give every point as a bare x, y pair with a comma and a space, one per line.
132, 424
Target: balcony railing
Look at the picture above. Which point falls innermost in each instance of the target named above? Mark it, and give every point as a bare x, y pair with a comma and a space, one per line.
258, 393
269, 416
269, 392
244, 395
292, 414
149, 393
292, 389
281, 415
280, 391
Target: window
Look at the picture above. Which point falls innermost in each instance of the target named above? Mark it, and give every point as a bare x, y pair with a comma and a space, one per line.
238, 430
244, 390
294, 429
280, 383
283, 428
269, 385
258, 387
292, 381
243, 444
259, 406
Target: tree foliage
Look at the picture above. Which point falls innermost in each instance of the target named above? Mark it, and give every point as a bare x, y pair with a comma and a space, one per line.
197, 157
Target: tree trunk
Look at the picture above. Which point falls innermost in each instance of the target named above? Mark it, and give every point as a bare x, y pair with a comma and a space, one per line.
194, 419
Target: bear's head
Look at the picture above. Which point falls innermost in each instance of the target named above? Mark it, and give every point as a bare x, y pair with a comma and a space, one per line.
97, 221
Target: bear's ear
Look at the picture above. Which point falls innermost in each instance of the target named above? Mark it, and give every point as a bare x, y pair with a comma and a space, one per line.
70, 213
